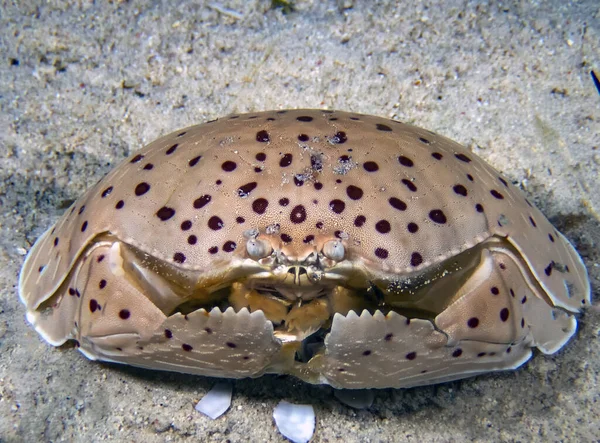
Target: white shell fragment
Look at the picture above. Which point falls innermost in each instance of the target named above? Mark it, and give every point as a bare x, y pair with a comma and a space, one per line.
340, 248
295, 422
216, 401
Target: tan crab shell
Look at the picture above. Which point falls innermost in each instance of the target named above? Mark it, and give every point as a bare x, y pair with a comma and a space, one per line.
340, 248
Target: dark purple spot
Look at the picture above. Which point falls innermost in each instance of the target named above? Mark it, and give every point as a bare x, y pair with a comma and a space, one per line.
260, 205
84, 226
181, 134
318, 186
81, 210
460, 190
470, 177
503, 181
124, 314
337, 206
171, 149
168, 333
319, 225
303, 137
382, 253
496, 194
261, 156
522, 323
186, 347
339, 138
100, 258
473, 322
228, 166
192, 240
397, 204
298, 181
367, 352
215, 223
298, 214
304, 118
142, 188
532, 221
240, 220
231, 345
229, 246
551, 237
409, 184
359, 221
107, 191
411, 355
405, 161
481, 354
284, 201
102, 284
463, 158
178, 257
437, 155
479, 207
120, 204
383, 226
457, 353
213, 250
308, 238
438, 216
524, 300
71, 291
208, 330
286, 160
137, 158
148, 166
412, 227
55, 241
494, 290
93, 305
354, 192
193, 162
245, 190
424, 140
186, 225
165, 213
316, 163
416, 259
370, 166
381, 127
388, 337
344, 159
286, 238
504, 313
547, 269
262, 136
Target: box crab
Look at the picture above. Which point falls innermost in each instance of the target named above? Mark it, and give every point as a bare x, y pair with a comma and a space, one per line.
337, 247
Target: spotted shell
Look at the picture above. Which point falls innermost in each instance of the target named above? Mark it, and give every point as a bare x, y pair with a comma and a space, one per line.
337, 247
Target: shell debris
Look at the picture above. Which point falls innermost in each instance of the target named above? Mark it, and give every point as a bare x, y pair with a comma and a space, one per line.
216, 401
295, 422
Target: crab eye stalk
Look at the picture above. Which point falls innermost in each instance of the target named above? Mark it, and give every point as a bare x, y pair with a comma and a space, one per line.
258, 249
334, 250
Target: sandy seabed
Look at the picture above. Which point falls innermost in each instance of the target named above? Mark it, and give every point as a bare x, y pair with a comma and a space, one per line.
82, 85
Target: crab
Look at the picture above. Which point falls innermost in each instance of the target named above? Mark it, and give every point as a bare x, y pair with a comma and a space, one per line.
340, 248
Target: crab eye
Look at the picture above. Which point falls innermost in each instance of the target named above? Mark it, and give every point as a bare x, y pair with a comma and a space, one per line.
258, 248
334, 250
